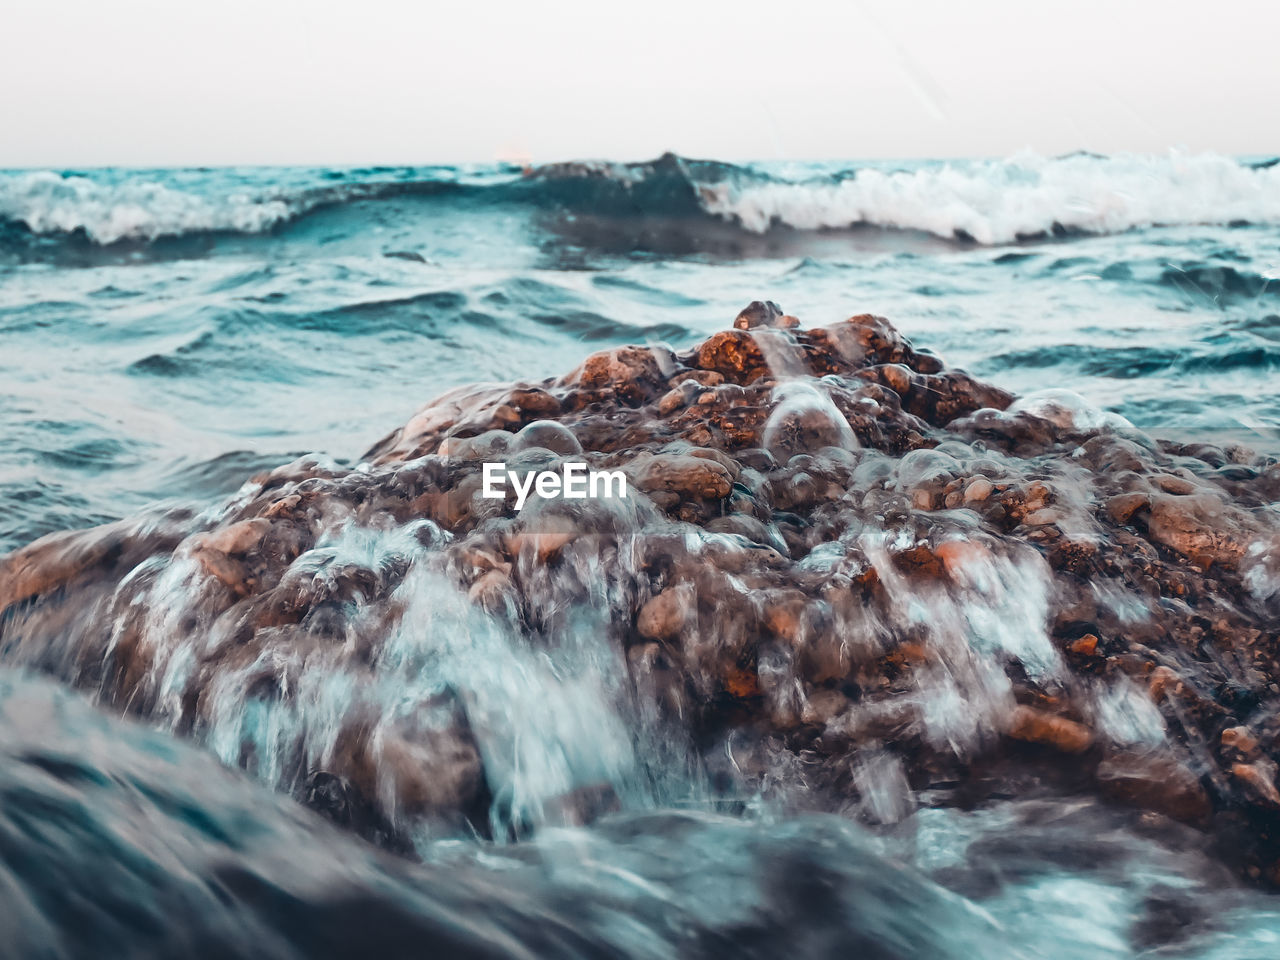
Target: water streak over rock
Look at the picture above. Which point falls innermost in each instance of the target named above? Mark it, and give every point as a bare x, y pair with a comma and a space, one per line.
845, 578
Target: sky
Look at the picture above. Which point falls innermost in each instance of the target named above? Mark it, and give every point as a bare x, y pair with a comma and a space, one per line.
142, 83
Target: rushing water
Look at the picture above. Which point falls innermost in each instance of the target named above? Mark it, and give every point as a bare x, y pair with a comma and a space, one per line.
164, 334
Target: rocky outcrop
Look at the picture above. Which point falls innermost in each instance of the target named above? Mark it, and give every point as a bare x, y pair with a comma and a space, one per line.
836, 555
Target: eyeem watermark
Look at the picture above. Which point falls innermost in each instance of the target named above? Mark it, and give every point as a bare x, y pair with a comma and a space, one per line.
575, 481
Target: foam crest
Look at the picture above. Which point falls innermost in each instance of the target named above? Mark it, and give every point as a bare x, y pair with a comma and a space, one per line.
134, 209
1026, 195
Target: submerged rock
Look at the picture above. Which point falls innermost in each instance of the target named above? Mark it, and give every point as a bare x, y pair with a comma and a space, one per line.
834, 555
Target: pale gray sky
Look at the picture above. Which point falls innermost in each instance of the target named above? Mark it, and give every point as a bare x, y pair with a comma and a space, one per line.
159, 82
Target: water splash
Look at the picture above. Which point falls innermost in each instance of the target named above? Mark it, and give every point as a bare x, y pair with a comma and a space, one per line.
993, 610
805, 418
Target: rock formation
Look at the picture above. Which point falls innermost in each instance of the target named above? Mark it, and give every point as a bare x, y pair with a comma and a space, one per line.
853, 578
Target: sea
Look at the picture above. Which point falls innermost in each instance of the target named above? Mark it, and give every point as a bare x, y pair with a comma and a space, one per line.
166, 333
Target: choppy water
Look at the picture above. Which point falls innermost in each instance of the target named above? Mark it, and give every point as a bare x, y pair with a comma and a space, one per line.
163, 334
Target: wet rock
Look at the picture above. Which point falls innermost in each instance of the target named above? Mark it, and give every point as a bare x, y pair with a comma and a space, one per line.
664, 616
56, 560
758, 313
1086, 646
237, 539
823, 706
1239, 738
830, 540
1259, 779
547, 435
584, 805
1123, 506
673, 400
783, 612
1042, 517
492, 590
534, 401
631, 374
978, 490
1036, 726
1163, 680
1154, 781
541, 544
742, 526
227, 569
733, 355
1198, 527
684, 475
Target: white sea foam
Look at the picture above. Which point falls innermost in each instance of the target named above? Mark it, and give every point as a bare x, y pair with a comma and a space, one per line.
1128, 716
133, 209
998, 201
993, 201
995, 609
1068, 410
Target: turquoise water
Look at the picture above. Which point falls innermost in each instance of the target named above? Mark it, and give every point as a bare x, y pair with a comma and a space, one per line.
166, 333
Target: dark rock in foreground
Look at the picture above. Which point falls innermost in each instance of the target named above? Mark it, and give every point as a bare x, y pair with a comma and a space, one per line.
850, 578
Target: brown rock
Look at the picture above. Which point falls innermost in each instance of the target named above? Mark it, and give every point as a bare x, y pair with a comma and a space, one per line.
923, 498
978, 490
822, 706
491, 590
1086, 646
237, 539
1259, 778
783, 610
792, 617
741, 684
1172, 484
633, 374
1239, 738
664, 616
1198, 527
897, 377
758, 313
734, 355
706, 378
1043, 517
685, 475
672, 401
1037, 726
1154, 781
1163, 680
1123, 506
284, 506
957, 555
230, 571
56, 559
542, 544
534, 400
434, 772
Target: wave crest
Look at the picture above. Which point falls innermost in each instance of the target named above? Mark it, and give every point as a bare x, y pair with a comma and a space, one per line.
1001, 201
47, 202
988, 202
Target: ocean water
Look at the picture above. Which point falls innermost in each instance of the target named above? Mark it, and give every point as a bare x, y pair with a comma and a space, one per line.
166, 333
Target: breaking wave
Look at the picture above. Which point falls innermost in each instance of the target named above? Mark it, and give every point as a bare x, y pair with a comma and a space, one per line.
1001, 201
45, 202
987, 202
107, 210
